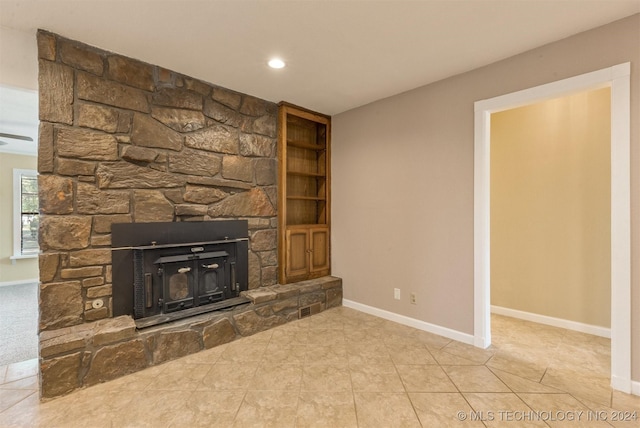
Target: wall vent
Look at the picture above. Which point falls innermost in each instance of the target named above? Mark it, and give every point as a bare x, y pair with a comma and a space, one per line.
312, 309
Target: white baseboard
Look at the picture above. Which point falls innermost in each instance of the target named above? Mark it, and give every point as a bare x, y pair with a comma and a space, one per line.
555, 322
411, 322
622, 384
21, 282
635, 387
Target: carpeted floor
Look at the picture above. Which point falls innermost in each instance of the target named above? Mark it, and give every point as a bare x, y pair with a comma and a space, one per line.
18, 323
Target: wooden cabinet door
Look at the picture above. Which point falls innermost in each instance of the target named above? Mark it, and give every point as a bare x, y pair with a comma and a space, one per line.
307, 252
319, 240
297, 248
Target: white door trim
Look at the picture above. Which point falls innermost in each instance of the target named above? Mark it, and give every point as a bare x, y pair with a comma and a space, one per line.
618, 79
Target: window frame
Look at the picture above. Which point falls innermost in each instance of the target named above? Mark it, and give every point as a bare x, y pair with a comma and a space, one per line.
17, 213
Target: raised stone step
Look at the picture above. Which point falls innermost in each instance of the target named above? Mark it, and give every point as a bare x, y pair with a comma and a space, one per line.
90, 353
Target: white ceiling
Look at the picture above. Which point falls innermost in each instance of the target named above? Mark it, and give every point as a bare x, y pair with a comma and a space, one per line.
339, 54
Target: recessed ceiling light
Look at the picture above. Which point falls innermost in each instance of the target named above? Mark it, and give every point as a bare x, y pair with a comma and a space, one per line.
276, 63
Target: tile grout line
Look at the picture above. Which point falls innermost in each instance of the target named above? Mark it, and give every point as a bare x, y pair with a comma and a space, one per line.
19, 401
406, 392
304, 361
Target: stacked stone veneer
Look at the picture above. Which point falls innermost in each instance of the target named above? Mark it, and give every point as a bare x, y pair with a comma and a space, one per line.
124, 141
90, 353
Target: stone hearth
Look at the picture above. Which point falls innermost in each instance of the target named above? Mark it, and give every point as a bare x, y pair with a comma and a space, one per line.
91, 353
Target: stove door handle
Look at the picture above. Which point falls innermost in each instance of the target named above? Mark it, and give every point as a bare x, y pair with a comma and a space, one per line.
211, 266
184, 270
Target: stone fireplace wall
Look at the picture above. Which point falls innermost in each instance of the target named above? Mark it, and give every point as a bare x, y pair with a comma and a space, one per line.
126, 141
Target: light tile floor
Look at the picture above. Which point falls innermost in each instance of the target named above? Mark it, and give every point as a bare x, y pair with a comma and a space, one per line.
343, 368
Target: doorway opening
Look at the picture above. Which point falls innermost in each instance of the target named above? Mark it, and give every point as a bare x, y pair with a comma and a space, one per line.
550, 242
550, 208
19, 233
618, 79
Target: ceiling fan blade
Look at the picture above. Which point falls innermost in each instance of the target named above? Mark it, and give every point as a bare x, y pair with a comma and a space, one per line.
16, 137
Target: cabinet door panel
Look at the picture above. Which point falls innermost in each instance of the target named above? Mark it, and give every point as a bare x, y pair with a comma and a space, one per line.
297, 254
319, 249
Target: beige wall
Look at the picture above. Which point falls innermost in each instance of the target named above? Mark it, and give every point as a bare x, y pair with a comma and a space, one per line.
402, 171
24, 269
551, 208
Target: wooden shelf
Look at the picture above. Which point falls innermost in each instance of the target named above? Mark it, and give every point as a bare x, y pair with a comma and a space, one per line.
305, 145
307, 174
306, 198
305, 225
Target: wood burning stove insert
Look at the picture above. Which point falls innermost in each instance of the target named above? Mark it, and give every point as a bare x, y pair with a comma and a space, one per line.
168, 271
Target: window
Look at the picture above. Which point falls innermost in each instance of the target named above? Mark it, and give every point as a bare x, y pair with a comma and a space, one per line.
26, 216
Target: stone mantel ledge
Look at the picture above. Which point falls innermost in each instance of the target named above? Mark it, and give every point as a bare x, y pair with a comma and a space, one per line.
280, 292
98, 333
86, 354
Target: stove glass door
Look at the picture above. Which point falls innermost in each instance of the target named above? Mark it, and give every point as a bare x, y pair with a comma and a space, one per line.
179, 280
213, 284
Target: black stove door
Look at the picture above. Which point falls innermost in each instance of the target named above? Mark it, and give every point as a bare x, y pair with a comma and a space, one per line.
179, 286
214, 281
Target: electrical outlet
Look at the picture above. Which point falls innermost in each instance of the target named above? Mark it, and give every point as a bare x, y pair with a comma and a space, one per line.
413, 298
396, 293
